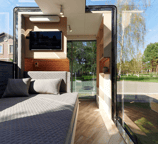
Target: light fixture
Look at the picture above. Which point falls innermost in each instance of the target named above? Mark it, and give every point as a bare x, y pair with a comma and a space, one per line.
70, 29
62, 15
61, 10
44, 18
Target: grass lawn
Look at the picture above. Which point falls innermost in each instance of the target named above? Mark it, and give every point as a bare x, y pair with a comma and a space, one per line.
140, 78
85, 77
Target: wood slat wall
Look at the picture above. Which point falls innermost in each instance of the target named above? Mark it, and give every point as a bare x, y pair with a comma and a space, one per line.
46, 64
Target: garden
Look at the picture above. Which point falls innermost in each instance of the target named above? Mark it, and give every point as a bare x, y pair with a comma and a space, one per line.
141, 78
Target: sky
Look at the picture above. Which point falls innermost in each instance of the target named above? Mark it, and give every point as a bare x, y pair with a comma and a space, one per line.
151, 15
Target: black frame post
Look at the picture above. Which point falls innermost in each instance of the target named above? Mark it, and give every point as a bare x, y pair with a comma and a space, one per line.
71, 66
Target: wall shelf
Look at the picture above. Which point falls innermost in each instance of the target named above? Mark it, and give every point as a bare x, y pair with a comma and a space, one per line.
101, 58
104, 62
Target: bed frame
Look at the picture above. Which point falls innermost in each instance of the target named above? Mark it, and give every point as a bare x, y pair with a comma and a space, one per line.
65, 87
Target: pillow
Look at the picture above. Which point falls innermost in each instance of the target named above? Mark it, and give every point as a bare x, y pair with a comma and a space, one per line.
17, 87
45, 86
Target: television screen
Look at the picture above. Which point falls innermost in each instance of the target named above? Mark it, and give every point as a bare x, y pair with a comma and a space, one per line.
46, 40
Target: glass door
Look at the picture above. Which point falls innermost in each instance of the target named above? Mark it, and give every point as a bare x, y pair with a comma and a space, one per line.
137, 77
82, 57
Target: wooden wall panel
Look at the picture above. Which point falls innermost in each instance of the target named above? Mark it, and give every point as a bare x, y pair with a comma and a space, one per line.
46, 64
99, 45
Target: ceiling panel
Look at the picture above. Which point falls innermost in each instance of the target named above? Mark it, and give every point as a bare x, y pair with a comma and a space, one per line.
69, 6
76, 21
92, 23
81, 23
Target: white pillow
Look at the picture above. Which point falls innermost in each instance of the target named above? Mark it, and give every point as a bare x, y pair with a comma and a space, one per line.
45, 86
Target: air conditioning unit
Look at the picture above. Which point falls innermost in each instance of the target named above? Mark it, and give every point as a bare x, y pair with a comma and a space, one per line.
44, 18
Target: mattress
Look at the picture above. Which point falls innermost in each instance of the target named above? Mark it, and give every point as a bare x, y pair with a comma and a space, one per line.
37, 119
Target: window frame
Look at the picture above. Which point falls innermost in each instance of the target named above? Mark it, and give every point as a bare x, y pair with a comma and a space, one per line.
9, 48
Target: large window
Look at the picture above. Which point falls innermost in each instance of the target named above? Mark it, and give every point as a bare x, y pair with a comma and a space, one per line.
82, 56
137, 55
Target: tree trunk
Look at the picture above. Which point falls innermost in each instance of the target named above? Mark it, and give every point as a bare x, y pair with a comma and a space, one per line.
121, 54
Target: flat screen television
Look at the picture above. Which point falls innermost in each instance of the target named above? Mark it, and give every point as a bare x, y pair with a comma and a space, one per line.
45, 40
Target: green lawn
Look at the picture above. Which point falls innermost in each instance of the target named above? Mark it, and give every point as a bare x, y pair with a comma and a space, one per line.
85, 77
147, 78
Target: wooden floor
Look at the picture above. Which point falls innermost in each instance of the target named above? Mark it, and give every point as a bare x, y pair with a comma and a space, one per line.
93, 129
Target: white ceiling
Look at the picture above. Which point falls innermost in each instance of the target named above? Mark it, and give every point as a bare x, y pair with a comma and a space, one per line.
81, 23
69, 6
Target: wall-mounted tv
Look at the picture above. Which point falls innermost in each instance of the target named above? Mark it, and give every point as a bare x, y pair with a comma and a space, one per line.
45, 40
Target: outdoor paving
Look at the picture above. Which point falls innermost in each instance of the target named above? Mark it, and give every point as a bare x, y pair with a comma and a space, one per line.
131, 87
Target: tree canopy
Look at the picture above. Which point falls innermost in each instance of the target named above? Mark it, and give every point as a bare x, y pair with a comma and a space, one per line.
83, 56
130, 37
150, 54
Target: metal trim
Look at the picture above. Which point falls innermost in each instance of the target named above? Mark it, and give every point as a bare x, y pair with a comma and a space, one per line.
112, 8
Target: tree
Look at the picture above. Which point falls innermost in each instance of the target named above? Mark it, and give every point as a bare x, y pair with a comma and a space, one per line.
130, 38
150, 55
83, 56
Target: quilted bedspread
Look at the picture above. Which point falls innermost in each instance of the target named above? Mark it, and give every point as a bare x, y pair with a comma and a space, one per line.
37, 119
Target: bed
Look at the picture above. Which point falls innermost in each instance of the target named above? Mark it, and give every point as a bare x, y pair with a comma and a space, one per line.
40, 118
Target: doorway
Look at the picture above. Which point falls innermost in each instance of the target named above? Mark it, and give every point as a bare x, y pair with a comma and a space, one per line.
82, 57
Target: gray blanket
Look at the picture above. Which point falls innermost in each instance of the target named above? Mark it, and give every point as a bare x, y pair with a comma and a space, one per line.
38, 119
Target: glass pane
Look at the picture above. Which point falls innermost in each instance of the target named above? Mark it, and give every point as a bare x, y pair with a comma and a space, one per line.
6, 24
83, 60
99, 2
137, 94
1, 50
11, 49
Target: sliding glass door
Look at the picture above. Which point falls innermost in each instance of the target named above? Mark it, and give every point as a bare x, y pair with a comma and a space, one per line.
137, 80
82, 57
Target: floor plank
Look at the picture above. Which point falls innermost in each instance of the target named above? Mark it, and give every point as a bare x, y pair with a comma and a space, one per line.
91, 128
